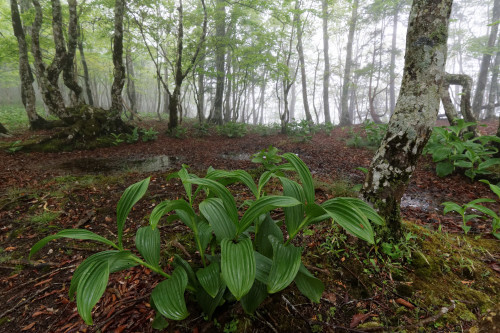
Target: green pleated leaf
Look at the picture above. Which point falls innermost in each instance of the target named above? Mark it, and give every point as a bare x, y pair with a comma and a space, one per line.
309, 285
122, 260
180, 206
251, 301
222, 192
132, 194
159, 323
304, 175
350, 218
235, 176
262, 206
293, 215
451, 206
183, 174
179, 262
147, 241
443, 169
203, 235
214, 211
488, 163
93, 282
209, 303
264, 178
209, 278
168, 295
286, 264
366, 209
73, 234
238, 266
266, 228
263, 266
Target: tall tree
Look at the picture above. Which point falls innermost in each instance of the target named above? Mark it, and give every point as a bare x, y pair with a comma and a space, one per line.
220, 52
477, 103
300, 51
86, 75
345, 118
326, 74
392, 74
415, 113
27, 90
119, 68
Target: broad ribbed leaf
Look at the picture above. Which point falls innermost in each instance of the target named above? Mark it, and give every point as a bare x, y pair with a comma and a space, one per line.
209, 303
122, 260
132, 194
147, 241
366, 209
209, 278
350, 218
221, 192
179, 262
184, 176
443, 169
204, 235
214, 211
262, 206
488, 163
91, 286
73, 234
493, 187
263, 267
264, 178
168, 295
266, 228
251, 301
451, 206
286, 264
309, 285
304, 175
293, 215
170, 205
238, 266
235, 176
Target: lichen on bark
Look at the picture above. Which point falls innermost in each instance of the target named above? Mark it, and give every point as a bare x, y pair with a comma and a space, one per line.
415, 113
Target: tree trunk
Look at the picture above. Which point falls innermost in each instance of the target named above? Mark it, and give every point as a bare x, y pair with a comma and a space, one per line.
220, 50
477, 103
326, 75
27, 90
415, 113
86, 76
392, 75
465, 105
300, 50
344, 111
3, 130
492, 96
131, 94
293, 102
201, 93
119, 69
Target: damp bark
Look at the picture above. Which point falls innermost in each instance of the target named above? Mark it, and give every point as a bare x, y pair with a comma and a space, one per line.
415, 112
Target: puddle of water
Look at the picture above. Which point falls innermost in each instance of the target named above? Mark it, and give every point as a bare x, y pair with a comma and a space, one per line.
110, 165
237, 157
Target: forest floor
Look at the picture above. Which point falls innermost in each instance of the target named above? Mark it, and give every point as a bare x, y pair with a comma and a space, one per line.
438, 269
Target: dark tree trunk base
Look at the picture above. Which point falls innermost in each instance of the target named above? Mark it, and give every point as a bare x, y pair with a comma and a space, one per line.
3, 130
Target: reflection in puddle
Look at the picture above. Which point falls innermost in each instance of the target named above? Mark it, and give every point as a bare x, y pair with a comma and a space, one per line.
109, 165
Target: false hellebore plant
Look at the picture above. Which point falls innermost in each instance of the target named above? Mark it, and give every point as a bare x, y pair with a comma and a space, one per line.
242, 258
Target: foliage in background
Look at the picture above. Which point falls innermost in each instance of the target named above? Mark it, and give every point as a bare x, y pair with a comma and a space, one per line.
302, 131
232, 129
237, 266
269, 158
370, 135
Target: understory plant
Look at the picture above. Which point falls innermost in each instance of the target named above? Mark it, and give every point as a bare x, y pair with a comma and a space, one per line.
475, 205
242, 253
453, 146
232, 129
302, 130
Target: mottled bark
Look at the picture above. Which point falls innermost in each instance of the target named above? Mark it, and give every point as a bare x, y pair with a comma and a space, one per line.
220, 51
415, 113
477, 103
449, 108
345, 119
86, 76
69, 76
27, 90
300, 51
326, 56
493, 96
131, 94
118, 67
465, 98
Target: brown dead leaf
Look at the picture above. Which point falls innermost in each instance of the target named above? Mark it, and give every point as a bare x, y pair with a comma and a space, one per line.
359, 319
28, 327
9, 248
495, 267
108, 219
120, 328
43, 282
405, 303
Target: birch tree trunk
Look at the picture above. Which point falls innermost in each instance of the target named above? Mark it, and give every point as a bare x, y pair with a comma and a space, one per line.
415, 112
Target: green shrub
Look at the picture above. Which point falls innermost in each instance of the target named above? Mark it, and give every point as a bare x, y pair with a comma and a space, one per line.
232, 130
249, 257
302, 130
269, 157
149, 134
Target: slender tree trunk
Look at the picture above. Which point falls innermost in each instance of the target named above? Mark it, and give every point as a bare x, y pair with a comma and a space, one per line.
415, 113
492, 96
477, 103
293, 101
86, 76
300, 50
392, 75
131, 93
465, 98
27, 90
326, 75
69, 76
262, 99
3, 130
119, 69
229, 80
344, 111
220, 50
201, 93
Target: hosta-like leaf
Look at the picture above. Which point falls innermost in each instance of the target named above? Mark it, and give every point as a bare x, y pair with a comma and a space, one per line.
262, 206
263, 266
366, 209
443, 169
147, 241
238, 266
73, 234
251, 301
209, 303
180, 206
179, 262
350, 218
203, 235
235, 176
223, 193
286, 264
304, 175
183, 174
488, 163
493, 187
266, 228
132, 194
293, 215
209, 278
451, 206
168, 295
91, 286
264, 178
309, 285
214, 211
